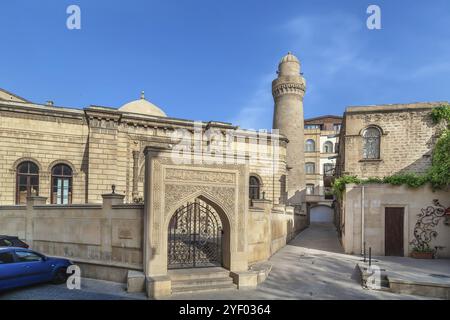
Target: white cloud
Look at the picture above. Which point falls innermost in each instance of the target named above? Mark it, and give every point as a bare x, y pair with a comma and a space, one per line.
257, 112
333, 44
431, 69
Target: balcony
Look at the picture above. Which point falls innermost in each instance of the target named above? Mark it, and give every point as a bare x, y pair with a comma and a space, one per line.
320, 194
328, 177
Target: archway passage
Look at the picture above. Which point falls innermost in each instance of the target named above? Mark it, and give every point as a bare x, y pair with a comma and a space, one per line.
195, 237
321, 214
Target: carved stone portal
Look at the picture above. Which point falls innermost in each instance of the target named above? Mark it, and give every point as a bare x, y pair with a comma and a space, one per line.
170, 186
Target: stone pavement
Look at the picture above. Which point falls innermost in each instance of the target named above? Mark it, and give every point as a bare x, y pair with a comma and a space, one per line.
90, 290
312, 266
435, 271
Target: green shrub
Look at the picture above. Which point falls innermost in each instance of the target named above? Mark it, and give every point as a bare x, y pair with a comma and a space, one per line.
439, 172
441, 113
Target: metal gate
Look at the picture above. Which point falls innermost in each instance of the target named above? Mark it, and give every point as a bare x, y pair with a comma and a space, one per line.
195, 237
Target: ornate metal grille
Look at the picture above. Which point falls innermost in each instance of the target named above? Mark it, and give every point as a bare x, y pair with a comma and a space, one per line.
424, 230
195, 237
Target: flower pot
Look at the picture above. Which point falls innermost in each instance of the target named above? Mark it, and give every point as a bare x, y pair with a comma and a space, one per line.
422, 255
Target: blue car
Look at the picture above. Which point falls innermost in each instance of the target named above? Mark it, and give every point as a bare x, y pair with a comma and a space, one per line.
22, 267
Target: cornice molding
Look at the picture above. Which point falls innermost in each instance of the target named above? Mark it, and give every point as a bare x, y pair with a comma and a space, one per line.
282, 88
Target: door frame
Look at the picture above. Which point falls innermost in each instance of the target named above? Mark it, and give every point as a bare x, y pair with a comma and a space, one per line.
405, 226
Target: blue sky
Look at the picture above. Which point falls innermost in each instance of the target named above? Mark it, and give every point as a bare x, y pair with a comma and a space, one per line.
215, 60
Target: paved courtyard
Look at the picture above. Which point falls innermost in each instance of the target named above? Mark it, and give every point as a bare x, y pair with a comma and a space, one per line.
312, 266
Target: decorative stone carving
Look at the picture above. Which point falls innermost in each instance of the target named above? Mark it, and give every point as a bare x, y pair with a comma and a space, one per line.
201, 176
156, 198
176, 192
286, 88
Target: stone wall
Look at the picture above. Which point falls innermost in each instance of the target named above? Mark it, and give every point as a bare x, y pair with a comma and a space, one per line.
408, 136
270, 229
376, 198
104, 240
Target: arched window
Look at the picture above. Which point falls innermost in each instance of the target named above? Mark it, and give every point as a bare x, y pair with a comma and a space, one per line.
61, 184
328, 147
310, 145
371, 143
27, 183
255, 186
310, 168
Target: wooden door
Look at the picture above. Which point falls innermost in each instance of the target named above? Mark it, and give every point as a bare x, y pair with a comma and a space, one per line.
393, 232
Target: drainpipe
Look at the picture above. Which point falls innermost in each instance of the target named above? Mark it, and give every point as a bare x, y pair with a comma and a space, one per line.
362, 219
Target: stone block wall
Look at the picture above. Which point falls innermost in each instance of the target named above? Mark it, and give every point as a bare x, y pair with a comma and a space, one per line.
105, 240
46, 141
408, 137
270, 229
376, 198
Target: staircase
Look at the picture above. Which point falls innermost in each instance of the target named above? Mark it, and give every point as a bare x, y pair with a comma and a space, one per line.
200, 280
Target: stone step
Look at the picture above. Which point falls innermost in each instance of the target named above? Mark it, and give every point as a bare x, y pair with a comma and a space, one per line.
200, 282
382, 277
203, 288
384, 283
200, 273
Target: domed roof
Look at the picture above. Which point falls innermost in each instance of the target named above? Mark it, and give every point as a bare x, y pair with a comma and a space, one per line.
142, 106
289, 58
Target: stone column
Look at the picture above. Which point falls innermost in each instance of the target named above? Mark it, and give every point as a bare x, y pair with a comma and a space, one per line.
29, 219
158, 283
109, 200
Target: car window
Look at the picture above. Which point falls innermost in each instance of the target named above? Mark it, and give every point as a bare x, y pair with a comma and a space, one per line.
5, 243
25, 256
6, 257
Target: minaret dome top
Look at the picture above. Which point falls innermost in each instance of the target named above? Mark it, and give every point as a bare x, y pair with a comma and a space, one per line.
289, 65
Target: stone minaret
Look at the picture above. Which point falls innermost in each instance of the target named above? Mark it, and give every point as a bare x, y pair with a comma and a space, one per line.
288, 91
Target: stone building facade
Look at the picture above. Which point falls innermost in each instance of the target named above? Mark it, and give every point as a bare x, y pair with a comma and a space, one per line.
321, 143
130, 194
104, 146
380, 141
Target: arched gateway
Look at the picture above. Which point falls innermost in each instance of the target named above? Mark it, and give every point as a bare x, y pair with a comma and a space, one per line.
195, 237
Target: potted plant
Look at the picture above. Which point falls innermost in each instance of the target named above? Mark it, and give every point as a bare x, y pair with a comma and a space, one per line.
422, 252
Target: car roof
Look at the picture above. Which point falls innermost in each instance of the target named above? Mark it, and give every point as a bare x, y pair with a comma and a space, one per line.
4, 249
8, 237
